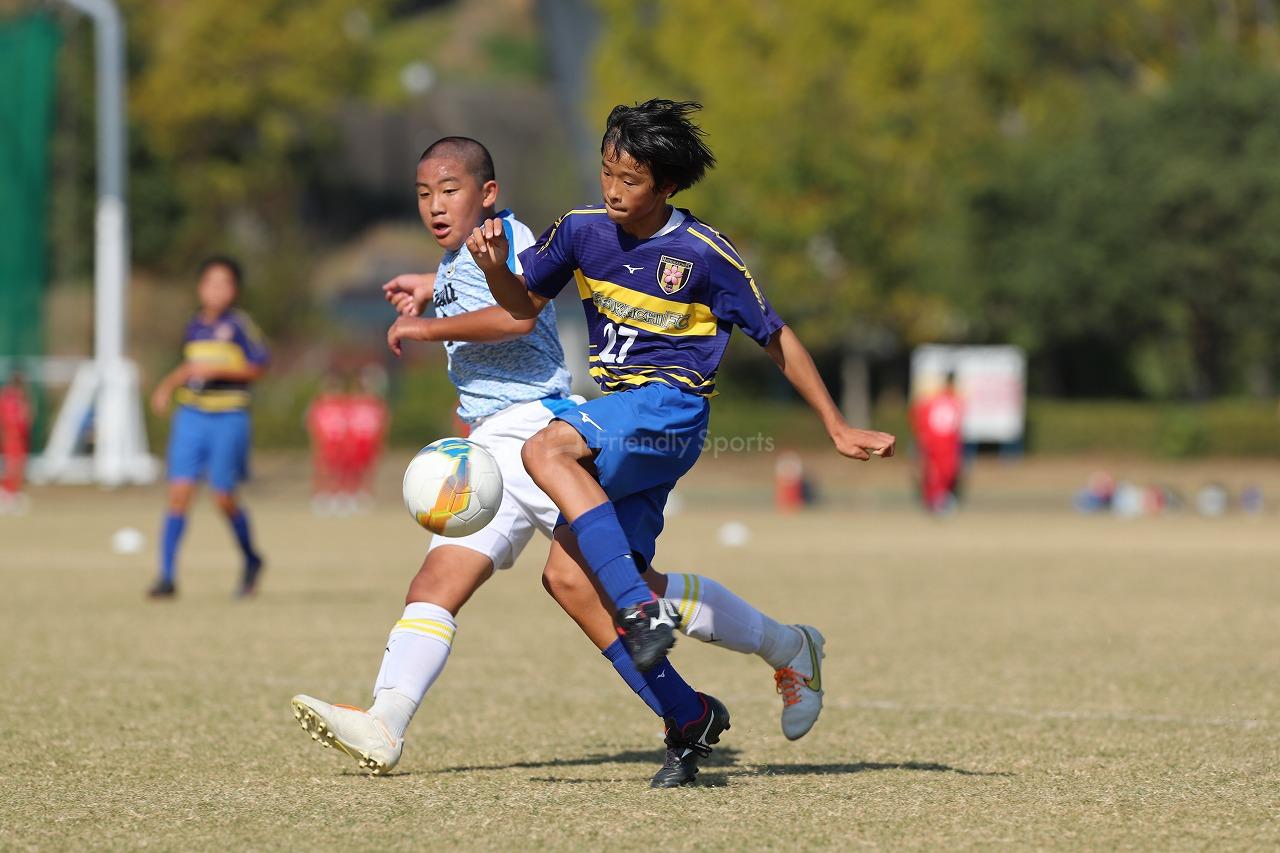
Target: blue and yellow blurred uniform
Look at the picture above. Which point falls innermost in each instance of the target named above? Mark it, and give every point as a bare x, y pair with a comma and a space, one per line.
210, 434
659, 314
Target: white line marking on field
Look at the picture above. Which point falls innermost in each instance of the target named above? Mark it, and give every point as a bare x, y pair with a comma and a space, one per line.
1056, 714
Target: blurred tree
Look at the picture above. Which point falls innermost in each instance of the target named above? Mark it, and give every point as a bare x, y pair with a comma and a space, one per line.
833, 127
232, 102
1144, 253
985, 170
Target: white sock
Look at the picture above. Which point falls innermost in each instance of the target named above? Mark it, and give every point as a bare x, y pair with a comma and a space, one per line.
780, 644
395, 710
711, 613
417, 651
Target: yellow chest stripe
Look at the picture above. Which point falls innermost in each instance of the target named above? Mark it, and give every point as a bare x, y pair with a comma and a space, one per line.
642, 311
220, 353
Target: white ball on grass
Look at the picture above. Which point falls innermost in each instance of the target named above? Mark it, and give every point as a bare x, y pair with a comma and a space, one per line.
734, 534
127, 540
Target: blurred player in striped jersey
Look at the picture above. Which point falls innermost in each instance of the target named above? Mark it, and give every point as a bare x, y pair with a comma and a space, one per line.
223, 354
512, 381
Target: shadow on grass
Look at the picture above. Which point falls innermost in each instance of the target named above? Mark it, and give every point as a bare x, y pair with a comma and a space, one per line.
725, 759
862, 767
705, 780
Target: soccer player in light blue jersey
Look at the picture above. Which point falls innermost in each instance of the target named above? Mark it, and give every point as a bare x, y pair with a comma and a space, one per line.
662, 292
511, 382
223, 355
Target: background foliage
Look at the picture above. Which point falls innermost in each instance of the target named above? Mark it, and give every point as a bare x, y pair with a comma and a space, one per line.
1095, 181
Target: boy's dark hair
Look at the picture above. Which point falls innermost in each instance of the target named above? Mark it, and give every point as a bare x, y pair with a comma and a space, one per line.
659, 136
227, 262
474, 155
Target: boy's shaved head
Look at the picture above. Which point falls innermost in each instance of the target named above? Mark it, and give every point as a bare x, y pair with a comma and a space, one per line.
471, 153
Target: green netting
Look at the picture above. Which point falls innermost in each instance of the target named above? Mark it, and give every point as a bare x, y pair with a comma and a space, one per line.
28, 49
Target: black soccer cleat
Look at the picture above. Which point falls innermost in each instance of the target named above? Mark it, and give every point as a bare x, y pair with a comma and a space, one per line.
249, 580
162, 589
648, 631
687, 745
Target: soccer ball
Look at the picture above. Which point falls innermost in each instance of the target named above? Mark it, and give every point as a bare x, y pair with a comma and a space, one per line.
452, 487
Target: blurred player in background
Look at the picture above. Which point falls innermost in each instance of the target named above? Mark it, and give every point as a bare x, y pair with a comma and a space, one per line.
367, 421
662, 292
512, 380
327, 428
209, 436
936, 421
15, 441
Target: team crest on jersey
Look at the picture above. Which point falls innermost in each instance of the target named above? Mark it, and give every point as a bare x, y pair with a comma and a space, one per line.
224, 332
673, 273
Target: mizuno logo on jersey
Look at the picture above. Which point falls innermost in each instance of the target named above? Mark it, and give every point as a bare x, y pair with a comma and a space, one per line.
631, 269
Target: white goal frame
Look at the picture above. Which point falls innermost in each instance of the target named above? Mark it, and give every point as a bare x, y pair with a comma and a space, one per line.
106, 387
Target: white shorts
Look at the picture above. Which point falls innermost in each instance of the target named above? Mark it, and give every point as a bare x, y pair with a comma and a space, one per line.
525, 508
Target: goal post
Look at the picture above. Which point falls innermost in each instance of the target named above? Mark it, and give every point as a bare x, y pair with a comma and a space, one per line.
105, 389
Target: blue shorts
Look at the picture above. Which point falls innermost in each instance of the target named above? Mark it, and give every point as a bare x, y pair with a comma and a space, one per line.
209, 445
645, 440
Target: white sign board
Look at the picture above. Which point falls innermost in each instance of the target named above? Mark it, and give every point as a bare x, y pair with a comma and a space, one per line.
991, 382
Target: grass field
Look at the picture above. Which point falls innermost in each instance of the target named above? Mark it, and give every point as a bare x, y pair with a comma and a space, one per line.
1015, 675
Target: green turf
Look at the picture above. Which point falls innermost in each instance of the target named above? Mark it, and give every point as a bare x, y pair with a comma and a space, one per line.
1020, 677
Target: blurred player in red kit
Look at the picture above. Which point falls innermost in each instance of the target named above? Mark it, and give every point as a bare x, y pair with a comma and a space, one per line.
366, 427
327, 426
936, 421
15, 436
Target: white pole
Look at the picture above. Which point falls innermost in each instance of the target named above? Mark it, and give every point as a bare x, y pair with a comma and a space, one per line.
117, 445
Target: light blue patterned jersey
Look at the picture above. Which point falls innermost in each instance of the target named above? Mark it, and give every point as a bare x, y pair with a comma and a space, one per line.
492, 376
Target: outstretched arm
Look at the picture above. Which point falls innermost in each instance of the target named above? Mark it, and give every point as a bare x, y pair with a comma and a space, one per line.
488, 325
192, 370
797, 365
248, 373
165, 388
409, 293
489, 247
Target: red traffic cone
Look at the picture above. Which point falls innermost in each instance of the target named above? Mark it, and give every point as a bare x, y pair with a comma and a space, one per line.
788, 492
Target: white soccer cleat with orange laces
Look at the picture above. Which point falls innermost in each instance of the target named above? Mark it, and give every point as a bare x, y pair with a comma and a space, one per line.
800, 684
356, 732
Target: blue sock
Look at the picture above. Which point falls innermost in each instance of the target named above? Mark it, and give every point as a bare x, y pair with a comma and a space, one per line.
608, 552
240, 524
678, 699
617, 655
174, 525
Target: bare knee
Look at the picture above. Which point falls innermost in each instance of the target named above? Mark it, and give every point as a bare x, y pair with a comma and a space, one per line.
180, 493
552, 447
226, 502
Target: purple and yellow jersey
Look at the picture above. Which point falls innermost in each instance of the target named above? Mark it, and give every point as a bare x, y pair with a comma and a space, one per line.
658, 310
232, 342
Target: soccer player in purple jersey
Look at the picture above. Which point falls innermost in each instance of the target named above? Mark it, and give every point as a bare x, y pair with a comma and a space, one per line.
662, 292
223, 355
